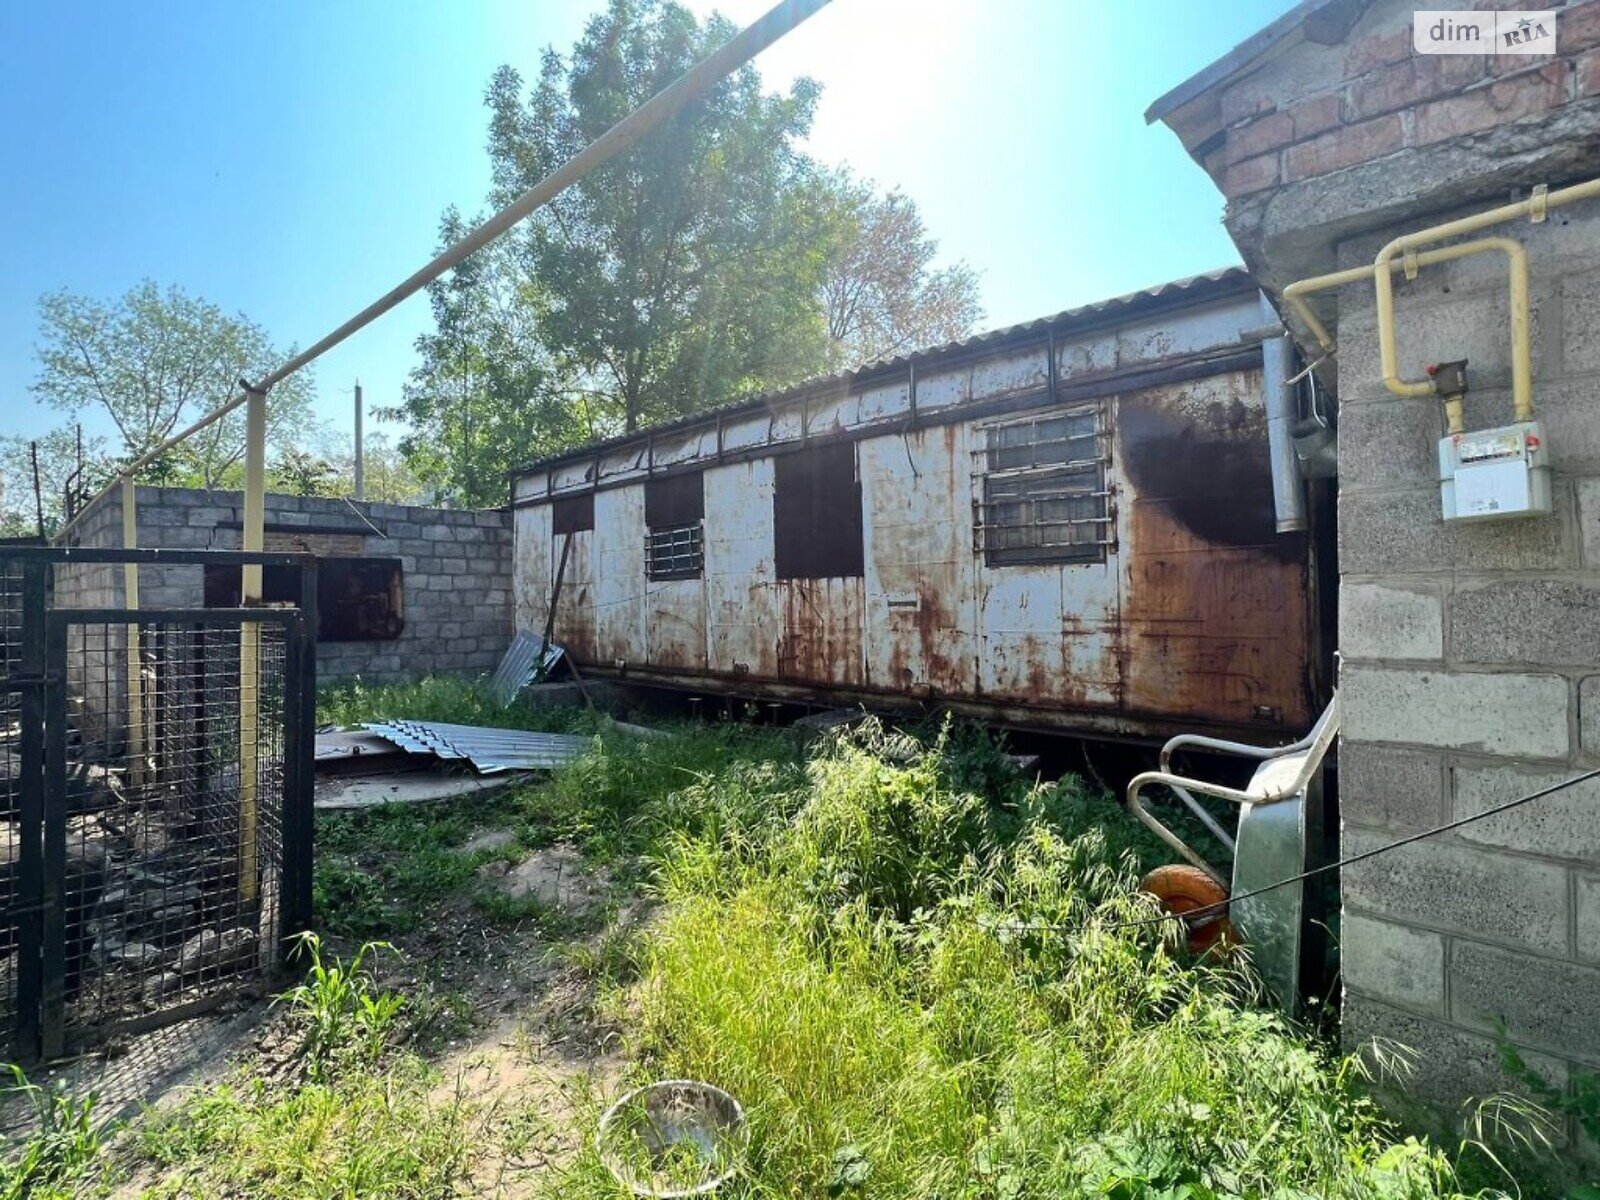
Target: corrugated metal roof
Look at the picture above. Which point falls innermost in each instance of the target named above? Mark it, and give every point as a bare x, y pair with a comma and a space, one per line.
488, 750
1161, 296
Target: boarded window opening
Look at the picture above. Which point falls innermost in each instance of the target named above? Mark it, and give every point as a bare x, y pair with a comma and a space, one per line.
674, 517
1044, 490
572, 514
358, 599
816, 513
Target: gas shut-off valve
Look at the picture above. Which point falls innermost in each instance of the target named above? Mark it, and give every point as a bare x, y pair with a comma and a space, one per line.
1488, 474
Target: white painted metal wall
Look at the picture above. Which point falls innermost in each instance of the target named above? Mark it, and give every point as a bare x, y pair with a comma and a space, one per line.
929, 618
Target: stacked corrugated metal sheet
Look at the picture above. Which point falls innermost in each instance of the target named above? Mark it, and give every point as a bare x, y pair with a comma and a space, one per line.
487, 750
528, 659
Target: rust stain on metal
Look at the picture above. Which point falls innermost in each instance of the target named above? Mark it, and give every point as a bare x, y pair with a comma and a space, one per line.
676, 633
821, 638
1216, 610
1199, 613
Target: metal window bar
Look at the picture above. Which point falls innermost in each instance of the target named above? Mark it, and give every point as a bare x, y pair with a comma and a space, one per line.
675, 552
1039, 498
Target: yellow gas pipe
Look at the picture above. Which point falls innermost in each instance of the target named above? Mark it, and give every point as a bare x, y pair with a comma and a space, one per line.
1403, 252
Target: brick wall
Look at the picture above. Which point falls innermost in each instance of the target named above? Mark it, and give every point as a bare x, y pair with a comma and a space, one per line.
1374, 97
456, 567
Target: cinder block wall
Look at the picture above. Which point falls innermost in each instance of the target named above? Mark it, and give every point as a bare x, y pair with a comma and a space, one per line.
456, 566
1471, 675
1470, 665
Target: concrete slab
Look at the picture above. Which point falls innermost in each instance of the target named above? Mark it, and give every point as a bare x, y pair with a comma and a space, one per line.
408, 787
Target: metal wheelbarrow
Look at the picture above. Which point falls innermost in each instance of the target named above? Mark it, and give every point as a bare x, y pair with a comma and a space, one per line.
1278, 808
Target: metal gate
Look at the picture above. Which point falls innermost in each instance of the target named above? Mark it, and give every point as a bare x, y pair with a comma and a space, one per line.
155, 793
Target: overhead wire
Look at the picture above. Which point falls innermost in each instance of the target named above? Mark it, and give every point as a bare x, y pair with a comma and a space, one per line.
1221, 906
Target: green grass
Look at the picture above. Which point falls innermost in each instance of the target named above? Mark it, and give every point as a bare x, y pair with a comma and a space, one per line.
381, 872
919, 991
362, 1133
904, 960
61, 1156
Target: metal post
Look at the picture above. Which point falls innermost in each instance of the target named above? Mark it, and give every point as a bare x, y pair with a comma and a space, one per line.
38, 488
361, 489
30, 851
253, 540
130, 588
53, 989
300, 717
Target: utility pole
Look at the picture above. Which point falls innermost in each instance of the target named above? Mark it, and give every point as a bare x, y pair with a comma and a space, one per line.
361, 489
38, 492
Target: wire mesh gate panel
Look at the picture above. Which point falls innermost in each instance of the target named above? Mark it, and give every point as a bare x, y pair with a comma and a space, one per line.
158, 795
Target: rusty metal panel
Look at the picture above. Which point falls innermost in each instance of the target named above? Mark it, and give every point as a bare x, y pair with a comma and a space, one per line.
1187, 333
675, 625
743, 615
1086, 355
618, 581
530, 566
920, 566
1005, 375
528, 487
689, 446
1049, 632
622, 461
943, 389
574, 627
1019, 626
884, 402
567, 476
746, 432
833, 414
1216, 608
822, 633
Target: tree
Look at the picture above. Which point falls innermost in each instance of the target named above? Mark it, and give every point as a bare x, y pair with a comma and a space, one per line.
302, 473
486, 396
881, 293
58, 467
156, 361
684, 272
387, 478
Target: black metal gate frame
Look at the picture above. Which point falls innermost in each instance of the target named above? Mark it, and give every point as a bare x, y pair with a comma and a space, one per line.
39, 907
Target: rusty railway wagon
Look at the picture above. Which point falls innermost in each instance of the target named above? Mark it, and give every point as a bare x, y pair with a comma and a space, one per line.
1070, 524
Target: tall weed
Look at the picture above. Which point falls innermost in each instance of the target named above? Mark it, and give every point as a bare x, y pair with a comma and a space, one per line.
917, 988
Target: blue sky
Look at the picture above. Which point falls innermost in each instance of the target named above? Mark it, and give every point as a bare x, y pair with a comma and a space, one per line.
291, 160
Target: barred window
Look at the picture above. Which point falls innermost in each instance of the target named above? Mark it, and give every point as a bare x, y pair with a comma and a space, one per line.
674, 517
1044, 490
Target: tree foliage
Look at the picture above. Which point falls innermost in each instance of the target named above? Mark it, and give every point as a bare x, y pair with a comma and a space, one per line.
882, 294
682, 272
58, 464
712, 260
155, 361
485, 396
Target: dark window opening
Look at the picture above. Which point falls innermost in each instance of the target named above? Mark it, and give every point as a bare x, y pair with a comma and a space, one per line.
816, 513
358, 599
674, 517
1044, 490
572, 514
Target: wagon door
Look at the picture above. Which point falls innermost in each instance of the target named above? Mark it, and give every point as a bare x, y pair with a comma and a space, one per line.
920, 570
820, 561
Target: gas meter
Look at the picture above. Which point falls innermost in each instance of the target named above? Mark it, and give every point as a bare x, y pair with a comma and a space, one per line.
1488, 474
